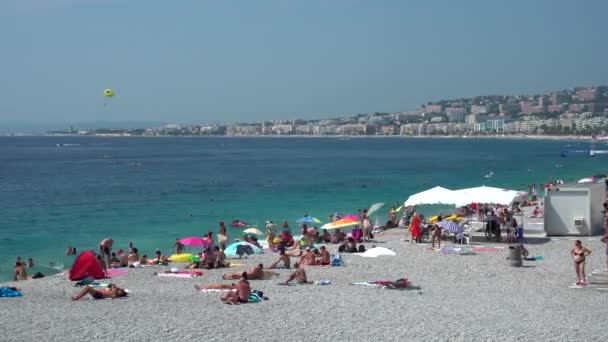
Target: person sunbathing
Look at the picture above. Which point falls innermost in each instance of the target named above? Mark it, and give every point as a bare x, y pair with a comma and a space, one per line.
242, 293
115, 261
216, 286
124, 258
209, 259
308, 258
298, 275
349, 246
537, 212
112, 291
324, 257
283, 258
255, 273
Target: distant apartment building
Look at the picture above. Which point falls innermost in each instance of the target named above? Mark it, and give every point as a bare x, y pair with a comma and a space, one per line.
326, 130
388, 130
477, 109
559, 98
543, 101
304, 129
587, 94
455, 114
433, 108
283, 129
595, 107
577, 107
560, 108
356, 129
510, 108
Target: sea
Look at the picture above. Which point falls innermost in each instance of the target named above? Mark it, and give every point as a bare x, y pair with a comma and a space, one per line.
58, 192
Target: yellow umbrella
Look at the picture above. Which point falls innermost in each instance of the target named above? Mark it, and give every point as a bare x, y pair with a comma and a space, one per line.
347, 222
253, 230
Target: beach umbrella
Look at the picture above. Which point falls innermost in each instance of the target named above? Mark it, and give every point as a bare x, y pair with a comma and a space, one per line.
350, 217
195, 241
253, 230
231, 250
373, 208
436, 195
396, 210
345, 222
451, 226
587, 180
308, 219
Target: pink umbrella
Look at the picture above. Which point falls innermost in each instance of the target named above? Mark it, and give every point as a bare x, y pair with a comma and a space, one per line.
350, 217
195, 241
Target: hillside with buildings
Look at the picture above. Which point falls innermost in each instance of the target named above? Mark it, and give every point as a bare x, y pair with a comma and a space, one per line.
577, 111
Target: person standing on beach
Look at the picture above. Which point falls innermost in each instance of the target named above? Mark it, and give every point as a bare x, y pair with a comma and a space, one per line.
271, 232
415, 229
179, 247
105, 249
222, 236
20, 273
579, 254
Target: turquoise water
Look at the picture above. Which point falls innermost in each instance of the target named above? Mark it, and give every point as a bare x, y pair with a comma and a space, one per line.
152, 190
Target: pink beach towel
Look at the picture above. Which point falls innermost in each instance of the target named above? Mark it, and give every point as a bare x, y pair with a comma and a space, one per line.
116, 272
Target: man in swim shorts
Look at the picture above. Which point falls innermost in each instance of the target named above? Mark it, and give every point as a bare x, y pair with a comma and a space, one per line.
242, 293
299, 275
255, 273
284, 258
105, 249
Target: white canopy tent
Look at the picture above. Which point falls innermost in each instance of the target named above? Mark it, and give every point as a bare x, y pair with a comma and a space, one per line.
436, 195
485, 194
462, 197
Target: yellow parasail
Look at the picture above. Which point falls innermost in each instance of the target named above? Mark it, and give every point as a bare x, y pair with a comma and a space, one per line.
108, 93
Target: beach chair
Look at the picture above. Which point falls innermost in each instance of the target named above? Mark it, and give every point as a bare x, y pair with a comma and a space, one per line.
467, 235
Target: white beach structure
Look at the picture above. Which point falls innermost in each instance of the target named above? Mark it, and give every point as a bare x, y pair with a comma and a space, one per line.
462, 197
436, 195
485, 194
574, 209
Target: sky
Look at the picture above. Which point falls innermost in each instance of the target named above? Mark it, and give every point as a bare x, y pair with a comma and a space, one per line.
199, 61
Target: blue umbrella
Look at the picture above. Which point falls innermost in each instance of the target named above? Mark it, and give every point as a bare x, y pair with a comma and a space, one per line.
308, 219
451, 226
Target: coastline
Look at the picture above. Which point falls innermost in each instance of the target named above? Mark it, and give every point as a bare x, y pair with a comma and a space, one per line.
584, 138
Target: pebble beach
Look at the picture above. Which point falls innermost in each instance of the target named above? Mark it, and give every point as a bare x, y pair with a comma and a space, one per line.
461, 298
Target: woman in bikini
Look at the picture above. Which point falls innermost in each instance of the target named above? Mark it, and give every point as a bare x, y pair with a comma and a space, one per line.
579, 254
112, 291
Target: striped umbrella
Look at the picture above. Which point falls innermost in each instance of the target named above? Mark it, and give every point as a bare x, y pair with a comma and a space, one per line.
451, 226
341, 224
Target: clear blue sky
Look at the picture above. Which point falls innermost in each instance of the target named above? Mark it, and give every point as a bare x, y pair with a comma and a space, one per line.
222, 61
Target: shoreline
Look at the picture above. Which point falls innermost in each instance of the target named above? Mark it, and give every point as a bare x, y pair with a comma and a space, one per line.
584, 138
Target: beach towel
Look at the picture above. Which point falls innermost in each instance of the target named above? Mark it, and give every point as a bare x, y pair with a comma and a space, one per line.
10, 292
488, 249
181, 274
112, 272
215, 290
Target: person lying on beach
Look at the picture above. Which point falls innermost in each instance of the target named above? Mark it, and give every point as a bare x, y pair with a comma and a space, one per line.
324, 257
144, 260
537, 212
20, 273
284, 259
299, 275
216, 286
308, 258
242, 293
112, 291
255, 273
